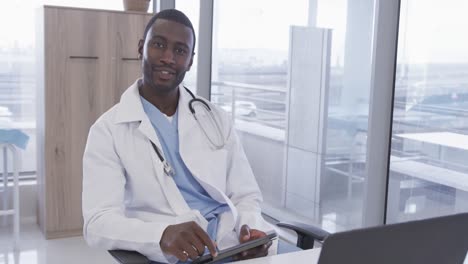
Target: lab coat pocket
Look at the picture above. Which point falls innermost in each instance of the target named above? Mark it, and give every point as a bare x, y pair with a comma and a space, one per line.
218, 170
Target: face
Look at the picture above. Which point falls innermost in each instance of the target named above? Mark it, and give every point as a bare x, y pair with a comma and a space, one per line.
167, 54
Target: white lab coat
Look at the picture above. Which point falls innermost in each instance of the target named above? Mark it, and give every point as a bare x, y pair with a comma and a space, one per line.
128, 201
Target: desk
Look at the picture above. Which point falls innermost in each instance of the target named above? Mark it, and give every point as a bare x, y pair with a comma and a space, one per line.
451, 148
445, 139
309, 256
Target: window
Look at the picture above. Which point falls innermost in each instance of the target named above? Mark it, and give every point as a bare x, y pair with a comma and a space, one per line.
191, 8
18, 69
296, 79
428, 169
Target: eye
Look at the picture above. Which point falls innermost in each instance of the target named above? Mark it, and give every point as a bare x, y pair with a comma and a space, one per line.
158, 44
180, 51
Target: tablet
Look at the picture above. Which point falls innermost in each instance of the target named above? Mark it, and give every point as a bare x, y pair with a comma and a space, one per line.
232, 251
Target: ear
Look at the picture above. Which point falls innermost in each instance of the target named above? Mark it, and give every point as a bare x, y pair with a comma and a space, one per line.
141, 42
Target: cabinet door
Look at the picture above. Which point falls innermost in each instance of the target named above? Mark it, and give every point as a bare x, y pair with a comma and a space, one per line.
129, 29
77, 70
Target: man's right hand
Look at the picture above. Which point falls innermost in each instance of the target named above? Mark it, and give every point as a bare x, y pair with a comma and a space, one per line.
186, 240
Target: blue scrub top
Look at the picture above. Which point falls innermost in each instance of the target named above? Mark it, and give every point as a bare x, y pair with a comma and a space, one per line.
194, 194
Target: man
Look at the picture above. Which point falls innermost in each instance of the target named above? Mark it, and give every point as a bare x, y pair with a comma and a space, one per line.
157, 180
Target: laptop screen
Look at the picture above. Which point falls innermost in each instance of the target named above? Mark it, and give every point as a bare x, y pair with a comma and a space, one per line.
441, 240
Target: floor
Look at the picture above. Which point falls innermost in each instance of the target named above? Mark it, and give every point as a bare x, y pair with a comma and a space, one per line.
34, 249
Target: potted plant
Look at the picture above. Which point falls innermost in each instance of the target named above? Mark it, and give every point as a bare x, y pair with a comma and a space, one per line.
136, 5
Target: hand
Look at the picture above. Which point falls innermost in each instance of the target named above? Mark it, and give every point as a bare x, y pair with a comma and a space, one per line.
186, 240
247, 234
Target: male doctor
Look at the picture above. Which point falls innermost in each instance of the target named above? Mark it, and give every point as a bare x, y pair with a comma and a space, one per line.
153, 181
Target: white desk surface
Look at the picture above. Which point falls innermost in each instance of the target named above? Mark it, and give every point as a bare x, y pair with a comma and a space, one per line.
431, 173
310, 256
446, 139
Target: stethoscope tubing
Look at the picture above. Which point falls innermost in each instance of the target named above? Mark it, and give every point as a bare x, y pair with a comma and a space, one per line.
168, 170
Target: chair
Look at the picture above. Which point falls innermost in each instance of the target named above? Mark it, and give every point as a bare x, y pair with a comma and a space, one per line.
128, 257
16, 205
306, 236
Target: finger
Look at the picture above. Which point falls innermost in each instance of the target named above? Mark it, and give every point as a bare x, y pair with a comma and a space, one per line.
245, 255
256, 252
197, 245
244, 234
180, 255
205, 239
199, 248
252, 254
187, 247
254, 233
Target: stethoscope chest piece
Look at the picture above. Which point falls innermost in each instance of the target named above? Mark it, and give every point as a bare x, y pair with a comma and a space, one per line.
168, 170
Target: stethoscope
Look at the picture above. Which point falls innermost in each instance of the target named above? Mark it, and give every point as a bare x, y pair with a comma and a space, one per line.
168, 170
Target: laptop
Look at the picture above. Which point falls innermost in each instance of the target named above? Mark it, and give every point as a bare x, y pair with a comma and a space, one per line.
440, 240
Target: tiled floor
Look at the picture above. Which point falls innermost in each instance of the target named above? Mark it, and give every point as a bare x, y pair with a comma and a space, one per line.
34, 249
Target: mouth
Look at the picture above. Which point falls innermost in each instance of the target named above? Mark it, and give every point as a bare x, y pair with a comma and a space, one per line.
164, 73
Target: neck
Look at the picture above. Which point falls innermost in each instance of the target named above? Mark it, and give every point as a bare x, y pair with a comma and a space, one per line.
165, 102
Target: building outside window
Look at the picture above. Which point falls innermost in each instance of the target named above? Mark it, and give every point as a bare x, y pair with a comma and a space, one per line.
428, 169
301, 110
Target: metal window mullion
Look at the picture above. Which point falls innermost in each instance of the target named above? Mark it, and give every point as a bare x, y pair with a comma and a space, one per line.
166, 4
205, 41
155, 6
385, 40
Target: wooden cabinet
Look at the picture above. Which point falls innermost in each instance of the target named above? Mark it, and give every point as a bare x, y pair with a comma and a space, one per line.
126, 47
86, 59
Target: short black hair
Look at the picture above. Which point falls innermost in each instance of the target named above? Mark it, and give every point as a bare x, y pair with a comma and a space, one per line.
172, 15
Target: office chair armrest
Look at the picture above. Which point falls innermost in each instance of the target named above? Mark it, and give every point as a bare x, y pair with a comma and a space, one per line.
128, 257
306, 234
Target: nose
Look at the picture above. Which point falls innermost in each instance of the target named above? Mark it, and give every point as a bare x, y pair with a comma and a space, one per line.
167, 56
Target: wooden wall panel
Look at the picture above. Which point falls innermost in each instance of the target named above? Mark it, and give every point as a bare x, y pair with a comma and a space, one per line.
129, 29
85, 74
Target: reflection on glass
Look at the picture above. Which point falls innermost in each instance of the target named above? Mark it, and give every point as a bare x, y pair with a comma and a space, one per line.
259, 80
249, 71
18, 68
428, 169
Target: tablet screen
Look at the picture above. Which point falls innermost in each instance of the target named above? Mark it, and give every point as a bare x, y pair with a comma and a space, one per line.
232, 251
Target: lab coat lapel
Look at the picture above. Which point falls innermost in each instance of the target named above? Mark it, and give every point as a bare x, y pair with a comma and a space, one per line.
147, 129
186, 122
196, 151
170, 189
192, 148
202, 159
131, 110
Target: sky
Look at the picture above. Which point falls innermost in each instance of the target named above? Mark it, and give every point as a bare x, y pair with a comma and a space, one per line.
17, 18
436, 31
430, 30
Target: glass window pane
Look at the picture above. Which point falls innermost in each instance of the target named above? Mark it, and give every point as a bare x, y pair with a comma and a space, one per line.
18, 69
101, 4
191, 8
428, 169
295, 77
